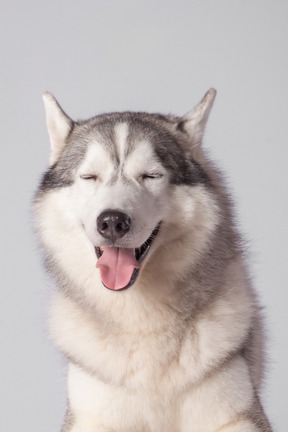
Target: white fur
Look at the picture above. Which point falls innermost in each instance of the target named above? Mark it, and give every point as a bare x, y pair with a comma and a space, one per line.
61, 210
143, 360
216, 333
89, 198
141, 160
97, 162
144, 386
121, 133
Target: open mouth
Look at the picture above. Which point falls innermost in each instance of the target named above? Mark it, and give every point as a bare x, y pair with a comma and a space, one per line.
119, 267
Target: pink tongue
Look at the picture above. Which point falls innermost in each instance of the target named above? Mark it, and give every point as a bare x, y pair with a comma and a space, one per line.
116, 267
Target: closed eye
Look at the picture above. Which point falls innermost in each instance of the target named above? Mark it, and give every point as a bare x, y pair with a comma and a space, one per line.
88, 177
147, 176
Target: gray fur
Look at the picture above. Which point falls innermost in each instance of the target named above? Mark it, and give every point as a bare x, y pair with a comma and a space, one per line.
182, 300
163, 131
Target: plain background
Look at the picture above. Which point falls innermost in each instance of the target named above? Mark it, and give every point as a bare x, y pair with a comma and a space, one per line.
98, 56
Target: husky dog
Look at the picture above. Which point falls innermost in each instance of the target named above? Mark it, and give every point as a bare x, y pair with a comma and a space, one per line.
153, 309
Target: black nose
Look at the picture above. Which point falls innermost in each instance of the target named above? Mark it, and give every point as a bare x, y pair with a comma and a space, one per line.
113, 225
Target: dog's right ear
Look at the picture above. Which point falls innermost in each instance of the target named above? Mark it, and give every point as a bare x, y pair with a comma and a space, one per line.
59, 126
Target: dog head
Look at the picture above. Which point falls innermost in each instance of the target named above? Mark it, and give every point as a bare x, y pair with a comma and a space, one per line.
122, 185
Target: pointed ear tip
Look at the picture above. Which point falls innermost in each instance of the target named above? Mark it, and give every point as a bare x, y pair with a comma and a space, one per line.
47, 96
212, 92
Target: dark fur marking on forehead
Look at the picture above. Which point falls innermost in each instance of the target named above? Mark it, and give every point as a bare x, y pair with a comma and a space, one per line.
61, 174
163, 132
168, 150
106, 137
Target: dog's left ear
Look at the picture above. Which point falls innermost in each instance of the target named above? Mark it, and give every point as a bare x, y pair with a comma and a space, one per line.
59, 125
194, 121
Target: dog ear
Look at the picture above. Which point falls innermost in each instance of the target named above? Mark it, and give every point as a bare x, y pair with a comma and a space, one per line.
194, 121
58, 124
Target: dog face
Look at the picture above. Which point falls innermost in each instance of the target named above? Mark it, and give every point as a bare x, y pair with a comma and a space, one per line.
119, 197
126, 183
121, 180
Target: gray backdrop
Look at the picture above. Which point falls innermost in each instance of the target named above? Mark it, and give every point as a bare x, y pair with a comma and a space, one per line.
98, 56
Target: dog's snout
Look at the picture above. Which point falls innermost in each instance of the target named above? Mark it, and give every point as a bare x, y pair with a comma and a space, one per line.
113, 224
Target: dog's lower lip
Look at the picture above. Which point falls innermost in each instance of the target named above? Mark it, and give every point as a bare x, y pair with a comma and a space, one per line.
141, 253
